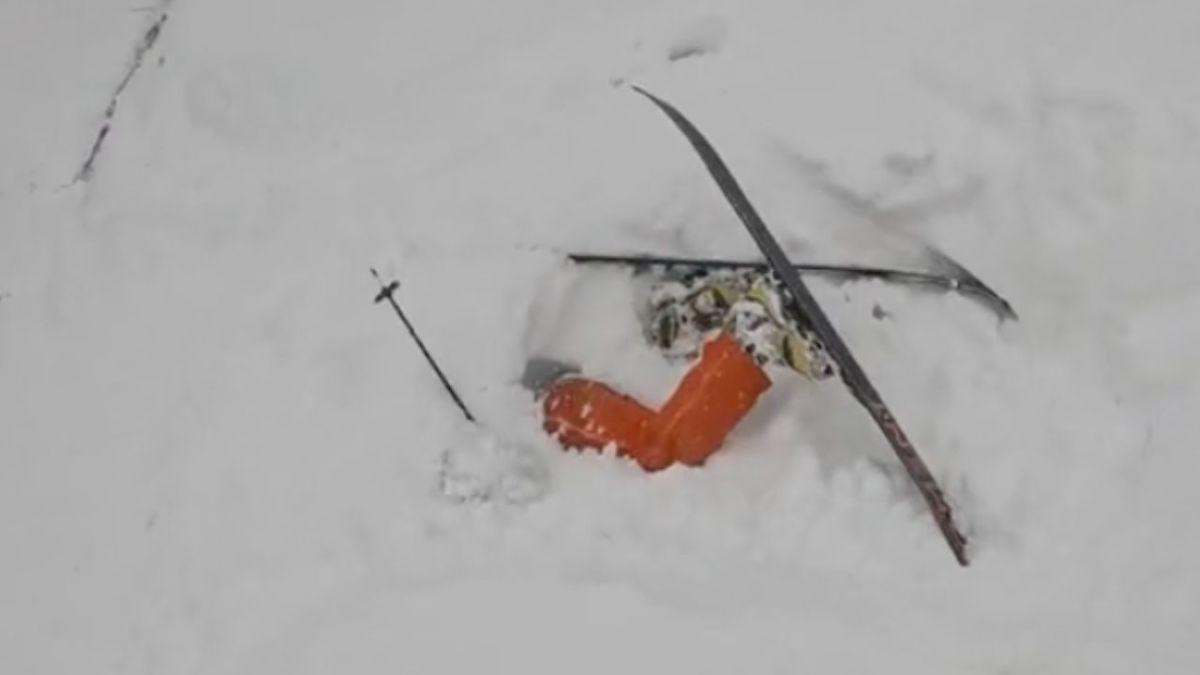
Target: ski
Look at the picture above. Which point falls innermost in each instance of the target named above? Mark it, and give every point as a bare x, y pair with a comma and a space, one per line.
850, 371
959, 280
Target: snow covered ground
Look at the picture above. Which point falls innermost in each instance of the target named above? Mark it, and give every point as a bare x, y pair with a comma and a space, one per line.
218, 456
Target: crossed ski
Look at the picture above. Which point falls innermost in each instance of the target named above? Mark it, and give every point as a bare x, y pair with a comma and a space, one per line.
958, 280
851, 372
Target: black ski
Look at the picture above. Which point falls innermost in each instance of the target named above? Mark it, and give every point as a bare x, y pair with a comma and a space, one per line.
851, 373
959, 280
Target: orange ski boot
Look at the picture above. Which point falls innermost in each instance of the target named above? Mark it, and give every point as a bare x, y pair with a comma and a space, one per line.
714, 396
583, 413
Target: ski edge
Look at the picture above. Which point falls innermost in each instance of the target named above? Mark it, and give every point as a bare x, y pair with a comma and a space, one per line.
851, 372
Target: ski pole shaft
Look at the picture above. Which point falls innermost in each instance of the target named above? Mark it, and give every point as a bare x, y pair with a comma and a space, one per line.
387, 292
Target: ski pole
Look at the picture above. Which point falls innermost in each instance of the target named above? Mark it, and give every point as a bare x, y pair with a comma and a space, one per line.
387, 292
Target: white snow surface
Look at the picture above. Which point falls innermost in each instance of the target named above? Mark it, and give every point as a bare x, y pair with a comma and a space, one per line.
218, 456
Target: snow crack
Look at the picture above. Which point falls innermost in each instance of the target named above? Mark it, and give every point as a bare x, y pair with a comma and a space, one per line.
149, 38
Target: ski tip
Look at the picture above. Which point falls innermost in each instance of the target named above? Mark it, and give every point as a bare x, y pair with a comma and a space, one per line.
971, 284
653, 99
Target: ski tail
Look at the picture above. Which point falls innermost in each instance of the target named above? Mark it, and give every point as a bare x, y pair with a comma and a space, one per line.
852, 374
